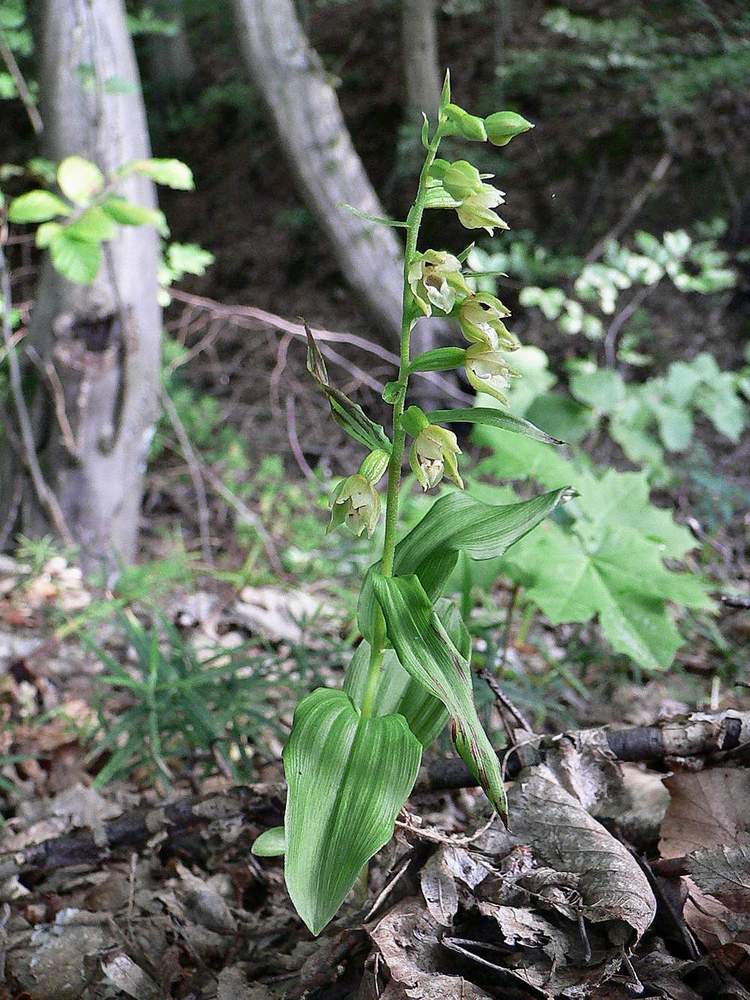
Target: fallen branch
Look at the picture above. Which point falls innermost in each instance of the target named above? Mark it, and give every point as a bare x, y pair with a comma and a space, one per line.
700, 736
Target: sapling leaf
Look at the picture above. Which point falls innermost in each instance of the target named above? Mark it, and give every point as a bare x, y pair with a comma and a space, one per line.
493, 417
378, 220
457, 523
37, 206
426, 652
348, 414
79, 179
347, 779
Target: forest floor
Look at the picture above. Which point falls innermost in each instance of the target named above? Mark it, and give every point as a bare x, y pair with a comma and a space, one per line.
625, 871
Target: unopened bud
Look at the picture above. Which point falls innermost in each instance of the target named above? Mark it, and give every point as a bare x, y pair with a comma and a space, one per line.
460, 122
374, 465
504, 126
461, 180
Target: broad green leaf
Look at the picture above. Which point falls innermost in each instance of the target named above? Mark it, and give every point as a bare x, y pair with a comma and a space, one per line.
46, 233
79, 179
457, 523
492, 417
441, 359
171, 173
426, 652
400, 694
76, 260
603, 389
270, 844
378, 220
127, 213
556, 412
37, 206
94, 226
347, 779
616, 575
348, 414
515, 457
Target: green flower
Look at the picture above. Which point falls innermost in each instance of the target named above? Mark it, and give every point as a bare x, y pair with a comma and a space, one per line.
433, 455
504, 125
356, 504
434, 278
488, 371
475, 211
481, 319
461, 180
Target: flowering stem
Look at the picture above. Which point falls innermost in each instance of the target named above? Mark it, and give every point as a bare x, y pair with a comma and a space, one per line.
413, 222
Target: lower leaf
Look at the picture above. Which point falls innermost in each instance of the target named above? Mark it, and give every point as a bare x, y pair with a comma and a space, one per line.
348, 777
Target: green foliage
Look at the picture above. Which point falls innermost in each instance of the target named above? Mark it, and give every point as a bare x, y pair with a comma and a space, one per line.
604, 558
178, 705
90, 210
179, 259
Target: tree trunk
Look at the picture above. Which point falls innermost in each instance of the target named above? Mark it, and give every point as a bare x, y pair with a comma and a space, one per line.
419, 47
104, 339
292, 81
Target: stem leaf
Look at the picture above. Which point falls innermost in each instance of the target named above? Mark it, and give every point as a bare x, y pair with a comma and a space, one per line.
493, 417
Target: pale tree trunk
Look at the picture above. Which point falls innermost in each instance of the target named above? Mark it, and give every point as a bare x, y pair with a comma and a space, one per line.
305, 110
419, 49
96, 417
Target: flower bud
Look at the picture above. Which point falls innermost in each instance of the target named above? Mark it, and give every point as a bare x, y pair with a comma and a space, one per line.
374, 465
461, 180
488, 371
504, 125
481, 319
356, 504
460, 122
433, 455
435, 278
475, 211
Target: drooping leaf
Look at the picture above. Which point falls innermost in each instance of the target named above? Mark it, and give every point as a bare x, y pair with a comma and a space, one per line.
426, 652
127, 213
347, 779
270, 844
79, 179
492, 417
348, 414
399, 693
37, 206
171, 173
457, 523
77, 260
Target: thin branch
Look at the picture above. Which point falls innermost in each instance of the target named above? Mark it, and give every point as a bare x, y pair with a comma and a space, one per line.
46, 497
196, 475
6, 54
639, 200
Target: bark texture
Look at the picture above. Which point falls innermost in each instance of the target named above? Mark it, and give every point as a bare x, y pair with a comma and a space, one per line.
102, 340
419, 44
171, 65
305, 110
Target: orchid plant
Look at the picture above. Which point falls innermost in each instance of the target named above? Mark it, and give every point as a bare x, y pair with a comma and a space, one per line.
353, 755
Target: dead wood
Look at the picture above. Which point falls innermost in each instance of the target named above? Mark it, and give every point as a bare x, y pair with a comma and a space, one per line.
701, 738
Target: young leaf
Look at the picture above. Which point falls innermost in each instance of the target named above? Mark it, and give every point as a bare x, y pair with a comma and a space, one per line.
171, 173
379, 220
348, 414
77, 260
126, 213
94, 226
397, 692
270, 844
348, 777
457, 523
441, 359
79, 179
493, 417
426, 652
37, 206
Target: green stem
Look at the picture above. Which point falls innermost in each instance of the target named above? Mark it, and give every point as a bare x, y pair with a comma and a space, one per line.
413, 222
